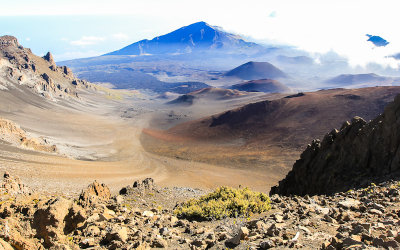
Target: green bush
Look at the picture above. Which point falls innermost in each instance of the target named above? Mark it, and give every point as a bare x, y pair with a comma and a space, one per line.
224, 202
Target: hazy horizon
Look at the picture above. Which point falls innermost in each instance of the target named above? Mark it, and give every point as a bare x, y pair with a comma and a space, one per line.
76, 29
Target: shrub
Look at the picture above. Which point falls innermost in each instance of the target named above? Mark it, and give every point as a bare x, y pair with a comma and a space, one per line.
224, 202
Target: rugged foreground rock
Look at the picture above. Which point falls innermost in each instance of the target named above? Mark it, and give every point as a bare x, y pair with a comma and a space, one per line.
143, 218
356, 155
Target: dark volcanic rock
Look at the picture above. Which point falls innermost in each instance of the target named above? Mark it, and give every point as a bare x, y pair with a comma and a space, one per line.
356, 155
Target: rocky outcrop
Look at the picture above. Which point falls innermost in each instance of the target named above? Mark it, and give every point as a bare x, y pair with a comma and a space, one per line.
12, 133
19, 66
67, 71
49, 57
147, 183
6, 41
356, 155
13, 185
358, 219
95, 192
139, 186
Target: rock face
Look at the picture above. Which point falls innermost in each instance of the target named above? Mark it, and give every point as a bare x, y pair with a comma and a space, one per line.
358, 154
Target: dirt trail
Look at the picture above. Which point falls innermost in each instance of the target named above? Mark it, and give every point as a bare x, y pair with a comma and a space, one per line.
119, 156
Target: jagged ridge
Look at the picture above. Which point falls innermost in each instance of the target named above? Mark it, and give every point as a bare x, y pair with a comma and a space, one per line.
20, 67
355, 156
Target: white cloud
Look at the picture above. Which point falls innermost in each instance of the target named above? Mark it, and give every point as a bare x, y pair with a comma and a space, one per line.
27, 39
87, 40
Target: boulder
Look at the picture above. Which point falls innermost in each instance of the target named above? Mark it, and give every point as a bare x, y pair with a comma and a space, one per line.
49, 220
75, 217
159, 242
349, 203
243, 234
92, 231
148, 214
117, 233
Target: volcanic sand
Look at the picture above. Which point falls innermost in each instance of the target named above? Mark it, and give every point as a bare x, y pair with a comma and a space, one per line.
96, 143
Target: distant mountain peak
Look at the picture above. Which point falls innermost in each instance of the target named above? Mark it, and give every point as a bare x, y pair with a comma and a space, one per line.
196, 37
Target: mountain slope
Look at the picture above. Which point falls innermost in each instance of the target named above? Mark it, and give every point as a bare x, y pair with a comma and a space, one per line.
195, 37
127, 78
211, 94
356, 155
371, 78
256, 70
270, 134
262, 85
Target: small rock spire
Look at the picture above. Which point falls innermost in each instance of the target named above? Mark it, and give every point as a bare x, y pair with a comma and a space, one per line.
49, 57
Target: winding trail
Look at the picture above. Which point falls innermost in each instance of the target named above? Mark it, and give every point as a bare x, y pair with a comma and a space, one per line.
105, 147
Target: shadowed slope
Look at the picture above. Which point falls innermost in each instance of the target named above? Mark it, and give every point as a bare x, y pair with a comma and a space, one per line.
355, 156
267, 135
262, 85
256, 70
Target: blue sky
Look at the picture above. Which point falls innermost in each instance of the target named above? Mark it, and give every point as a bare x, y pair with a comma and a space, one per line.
83, 28
74, 36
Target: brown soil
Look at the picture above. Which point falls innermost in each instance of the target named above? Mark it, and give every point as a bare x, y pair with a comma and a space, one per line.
267, 137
